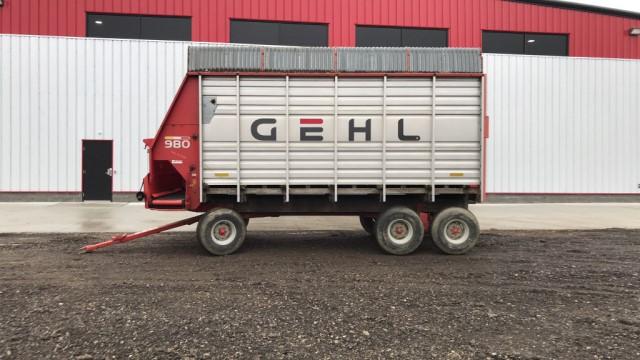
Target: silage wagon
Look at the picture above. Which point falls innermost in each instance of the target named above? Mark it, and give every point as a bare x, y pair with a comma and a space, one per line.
394, 136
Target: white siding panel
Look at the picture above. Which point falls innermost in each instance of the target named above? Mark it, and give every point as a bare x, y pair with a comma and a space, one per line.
562, 125
558, 124
56, 91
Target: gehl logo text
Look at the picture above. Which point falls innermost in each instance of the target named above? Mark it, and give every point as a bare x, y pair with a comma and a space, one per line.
264, 129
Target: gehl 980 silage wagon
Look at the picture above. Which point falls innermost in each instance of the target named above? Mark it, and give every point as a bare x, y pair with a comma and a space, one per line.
392, 135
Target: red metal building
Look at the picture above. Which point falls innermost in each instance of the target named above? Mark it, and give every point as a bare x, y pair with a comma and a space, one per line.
591, 32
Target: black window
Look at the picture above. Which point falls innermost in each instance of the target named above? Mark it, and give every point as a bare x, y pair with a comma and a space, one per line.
401, 37
502, 42
113, 26
279, 33
425, 37
546, 44
378, 36
138, 27
165, 28
524, 43
254, 32
303, 34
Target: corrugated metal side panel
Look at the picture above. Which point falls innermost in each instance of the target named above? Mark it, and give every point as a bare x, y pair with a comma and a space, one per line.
445, 60
212, 58
298, 59
321, 59
409, 59
372, 59
359, 160
55, 91
591, 34
563, 125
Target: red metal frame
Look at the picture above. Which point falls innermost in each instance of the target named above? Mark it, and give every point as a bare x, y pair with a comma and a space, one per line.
424, 218
113, 160
119, 239
150, 142
165, 193
167, 202
172, 167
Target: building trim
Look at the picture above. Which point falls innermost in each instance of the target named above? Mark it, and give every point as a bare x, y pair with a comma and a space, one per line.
582, 7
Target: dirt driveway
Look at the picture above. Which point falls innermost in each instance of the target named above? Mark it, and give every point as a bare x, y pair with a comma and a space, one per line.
522, 295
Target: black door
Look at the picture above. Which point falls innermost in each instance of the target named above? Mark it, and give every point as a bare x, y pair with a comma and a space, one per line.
97, 169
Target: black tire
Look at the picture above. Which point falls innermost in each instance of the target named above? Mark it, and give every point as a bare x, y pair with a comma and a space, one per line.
455, 231
368, 224
230, 231
399, 231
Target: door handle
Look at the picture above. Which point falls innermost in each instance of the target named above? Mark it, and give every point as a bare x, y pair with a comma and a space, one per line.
109, 172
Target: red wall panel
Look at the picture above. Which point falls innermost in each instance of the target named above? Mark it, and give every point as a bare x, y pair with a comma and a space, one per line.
590, 34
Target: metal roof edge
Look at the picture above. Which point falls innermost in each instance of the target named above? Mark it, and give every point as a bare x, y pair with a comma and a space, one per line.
570, 5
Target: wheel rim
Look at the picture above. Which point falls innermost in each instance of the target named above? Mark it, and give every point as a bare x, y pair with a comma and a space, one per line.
456, 231
400, 231
223, 232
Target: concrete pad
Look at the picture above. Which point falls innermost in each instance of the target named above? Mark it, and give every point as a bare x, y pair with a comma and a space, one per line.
570, 216
129, 217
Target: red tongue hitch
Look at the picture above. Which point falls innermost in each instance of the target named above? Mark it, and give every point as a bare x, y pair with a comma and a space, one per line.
123, 238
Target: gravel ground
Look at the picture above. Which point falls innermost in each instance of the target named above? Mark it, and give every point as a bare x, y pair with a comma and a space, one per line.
333, 294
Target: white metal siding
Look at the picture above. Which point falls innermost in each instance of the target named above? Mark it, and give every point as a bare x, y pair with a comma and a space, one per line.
558, 124
56, 91
563, 125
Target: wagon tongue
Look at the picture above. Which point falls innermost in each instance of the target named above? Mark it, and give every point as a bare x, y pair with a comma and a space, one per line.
123, 238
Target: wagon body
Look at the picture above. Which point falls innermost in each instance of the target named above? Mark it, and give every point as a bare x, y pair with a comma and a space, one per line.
278, 133
395, 136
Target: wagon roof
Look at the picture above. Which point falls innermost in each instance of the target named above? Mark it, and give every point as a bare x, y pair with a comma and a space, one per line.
258, 58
